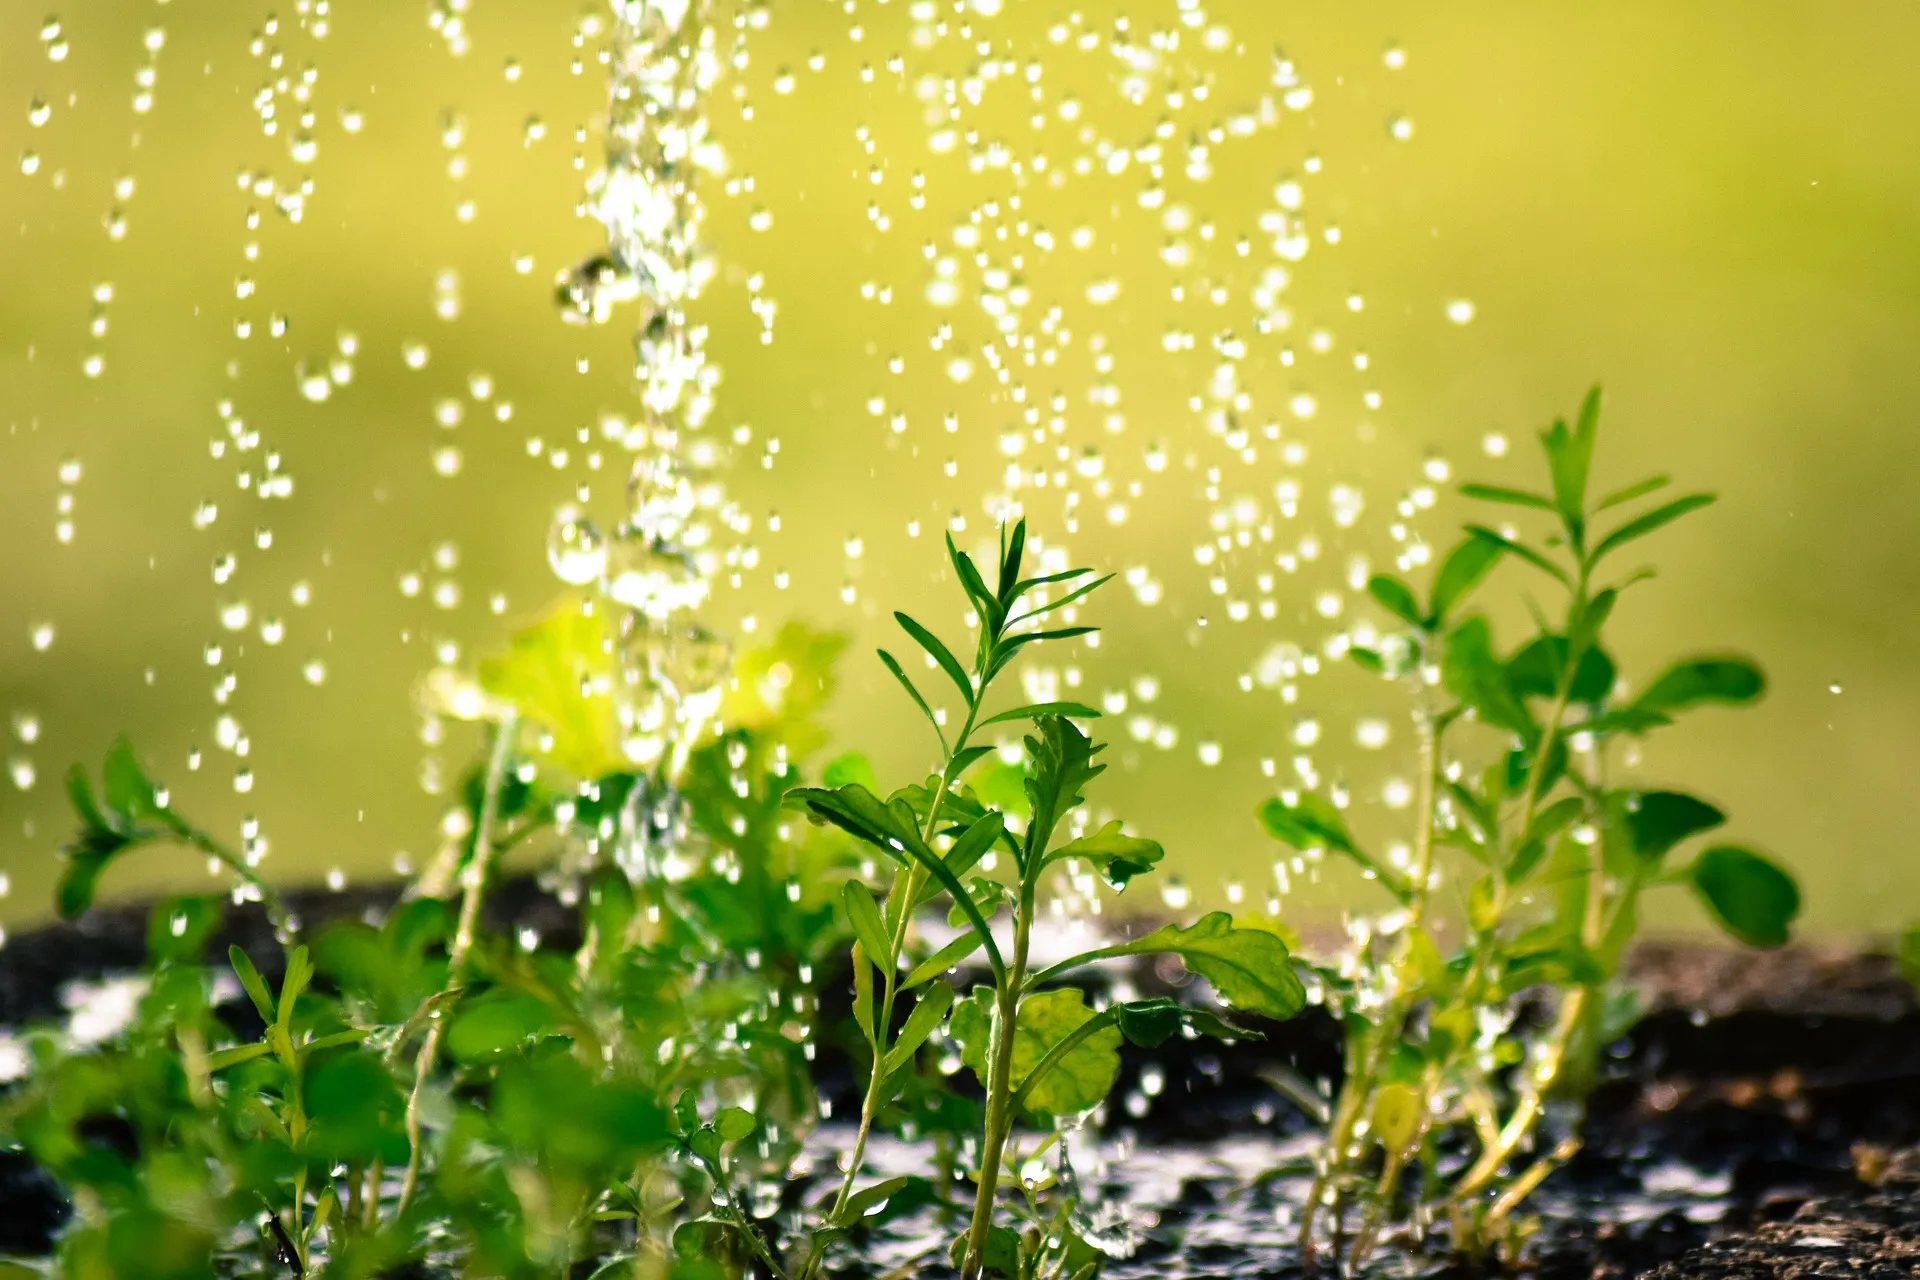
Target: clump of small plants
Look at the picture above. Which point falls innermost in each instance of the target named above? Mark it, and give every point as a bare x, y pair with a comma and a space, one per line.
1456, 1058
421, 1091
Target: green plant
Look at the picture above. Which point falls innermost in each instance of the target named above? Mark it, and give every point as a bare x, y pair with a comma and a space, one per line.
425, 1084
1516, 776
1037, 1048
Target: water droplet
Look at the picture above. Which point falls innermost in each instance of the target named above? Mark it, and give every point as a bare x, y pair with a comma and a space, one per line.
42, 636
22, 772
1399, 128
447, 460
315, 671
1460, 310
38, 112
575, 548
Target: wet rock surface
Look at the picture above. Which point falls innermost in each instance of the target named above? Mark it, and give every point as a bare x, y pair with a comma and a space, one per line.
1752, 1125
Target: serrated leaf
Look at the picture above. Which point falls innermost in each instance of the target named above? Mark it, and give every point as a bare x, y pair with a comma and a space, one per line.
1753, 898
1118, 857
1250, 969
1062, 767
1034, 710
558, 673
1078, 1082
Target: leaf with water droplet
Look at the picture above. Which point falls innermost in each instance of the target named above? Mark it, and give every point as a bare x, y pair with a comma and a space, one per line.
558, 674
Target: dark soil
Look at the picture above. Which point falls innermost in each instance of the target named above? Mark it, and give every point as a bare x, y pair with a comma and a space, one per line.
1753, 1124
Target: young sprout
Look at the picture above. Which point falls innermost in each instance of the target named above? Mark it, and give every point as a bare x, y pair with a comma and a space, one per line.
1556, 854
1037, 1049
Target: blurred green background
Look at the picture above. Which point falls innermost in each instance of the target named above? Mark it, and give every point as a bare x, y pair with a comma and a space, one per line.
1712, 208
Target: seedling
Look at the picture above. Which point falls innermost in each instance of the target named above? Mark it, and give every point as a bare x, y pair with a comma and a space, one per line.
1037, 1048
1516, 775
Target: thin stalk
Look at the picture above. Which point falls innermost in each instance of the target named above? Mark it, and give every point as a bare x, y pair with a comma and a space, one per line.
999, 1119
270, 899
1358, 1086
473, 891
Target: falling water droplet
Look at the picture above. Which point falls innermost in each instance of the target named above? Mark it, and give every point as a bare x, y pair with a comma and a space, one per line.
576, 551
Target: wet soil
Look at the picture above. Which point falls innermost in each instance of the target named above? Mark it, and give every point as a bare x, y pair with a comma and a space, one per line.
1756, 1123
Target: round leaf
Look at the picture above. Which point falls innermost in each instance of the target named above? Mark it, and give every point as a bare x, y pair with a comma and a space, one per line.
1752, 897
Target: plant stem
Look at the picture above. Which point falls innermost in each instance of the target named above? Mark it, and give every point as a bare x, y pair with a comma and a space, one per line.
473, 889
999, 1119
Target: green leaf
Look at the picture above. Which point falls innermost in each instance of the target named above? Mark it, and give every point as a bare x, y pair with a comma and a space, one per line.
965, 853
1396, 1120
1537, 670
178, 928
1460, 573
299, 974
863, 993
1639, 489
1512, 497
1522, 550
852, 767
1062, 767
1368, 660
1473, 674
1119, 858
1078, 1082
734, 1123
1001, 1257
256, 986
1908, 954
1686, 684
238, 1054
499, 1022
1034, 710
1312, 822
869, 1199
1397, 599
1569, 456
940, 654
893, 665
1151, 1023
1754, 899
928, 1010
356, 1108
867, 925
943, 959
559, 673
989, 606
1073, 596
1641, 526
1659, 820
1251, 969
1011, 549
124, 784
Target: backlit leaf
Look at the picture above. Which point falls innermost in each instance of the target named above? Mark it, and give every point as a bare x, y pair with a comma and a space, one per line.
1251, 969
558, 674
1078, 1082
1118, 857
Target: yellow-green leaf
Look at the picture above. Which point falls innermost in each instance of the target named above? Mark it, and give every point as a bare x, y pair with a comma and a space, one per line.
558, 674
1078, 1082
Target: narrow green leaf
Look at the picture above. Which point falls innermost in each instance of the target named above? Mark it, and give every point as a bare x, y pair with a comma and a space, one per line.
1460, 573
1754, 899
928, 1010
940, 654
867, 925
863, 993
236, 1055
256, 986
943, 959
1084, 589
1047, 580
1512, 497
918, 701
1522, 550
991, 613
1013, 549
1638, 489
974, 842
1394, 596
868, 1199
299, 974
1641, 526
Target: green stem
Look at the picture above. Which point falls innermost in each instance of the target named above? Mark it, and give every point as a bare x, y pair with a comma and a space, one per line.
473, 890
999, 1118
